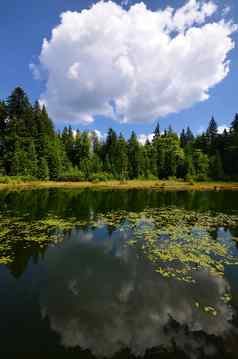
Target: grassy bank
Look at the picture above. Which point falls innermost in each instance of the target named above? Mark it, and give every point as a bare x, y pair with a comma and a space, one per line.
131, 184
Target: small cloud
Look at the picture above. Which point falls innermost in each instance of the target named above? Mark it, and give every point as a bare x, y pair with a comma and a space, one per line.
222, 128
226, 10
150, 137
98, 133
142, 138
35, 71
101, 136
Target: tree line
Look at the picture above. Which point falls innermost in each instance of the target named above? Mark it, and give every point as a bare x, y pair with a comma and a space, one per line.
30, 146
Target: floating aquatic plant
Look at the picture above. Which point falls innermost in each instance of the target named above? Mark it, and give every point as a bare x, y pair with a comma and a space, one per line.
177, 242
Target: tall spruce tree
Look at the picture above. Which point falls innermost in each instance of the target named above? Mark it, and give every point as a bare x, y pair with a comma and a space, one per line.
121, 164
134, 156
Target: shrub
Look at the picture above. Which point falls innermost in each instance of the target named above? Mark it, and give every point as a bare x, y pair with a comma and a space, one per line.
71, 178
189, 178
152, 177
172, 178
101, 177
15, 179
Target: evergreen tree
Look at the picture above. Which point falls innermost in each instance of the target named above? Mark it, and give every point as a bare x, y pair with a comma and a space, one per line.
20, 162
216, 167
234, 124
134, 156
121, 164
18, 103
84, 153
30, 146
68, 141
54, 159
183, 138
212, 129
32, 160
150, 153
111, 152
189, 170
43, 170
157, 130
3, 117
189, 136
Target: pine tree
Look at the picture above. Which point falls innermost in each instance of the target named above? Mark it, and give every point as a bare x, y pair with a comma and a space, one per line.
30, 146
20, 162
54, 159
3, 117
212, 129
157, 130
150, 154
189, 136
121, 164
18, 103
216, 167
43, 170
134, 156
234, 124
111, 151
189, 172
183, 138
83, 152
32, 159
67, 138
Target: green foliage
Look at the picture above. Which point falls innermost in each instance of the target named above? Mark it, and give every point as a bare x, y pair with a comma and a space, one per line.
121, 158
43, 170
201, 165
30, 146
134, 156
169, 155
15, 179
67, 178
101, 176
216, 167
212, 128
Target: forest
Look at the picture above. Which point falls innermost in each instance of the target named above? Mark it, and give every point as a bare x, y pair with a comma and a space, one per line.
31, 147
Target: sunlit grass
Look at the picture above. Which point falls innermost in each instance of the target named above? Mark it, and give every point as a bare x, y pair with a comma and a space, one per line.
128, 184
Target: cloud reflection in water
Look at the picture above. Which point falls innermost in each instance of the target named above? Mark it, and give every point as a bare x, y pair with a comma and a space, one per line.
102, 296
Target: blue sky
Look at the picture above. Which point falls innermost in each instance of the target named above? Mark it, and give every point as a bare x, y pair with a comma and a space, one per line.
24, 24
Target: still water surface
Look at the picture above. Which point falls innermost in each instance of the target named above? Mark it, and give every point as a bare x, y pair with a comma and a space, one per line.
92, 295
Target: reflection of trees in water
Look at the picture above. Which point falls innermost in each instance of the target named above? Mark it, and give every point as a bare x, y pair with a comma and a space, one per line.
78, 202
105, 298
22, 257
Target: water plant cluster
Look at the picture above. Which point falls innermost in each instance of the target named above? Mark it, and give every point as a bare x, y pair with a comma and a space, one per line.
177, 242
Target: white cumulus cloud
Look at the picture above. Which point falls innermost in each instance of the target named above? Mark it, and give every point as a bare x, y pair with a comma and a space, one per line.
133, 65
142, 138
222, 128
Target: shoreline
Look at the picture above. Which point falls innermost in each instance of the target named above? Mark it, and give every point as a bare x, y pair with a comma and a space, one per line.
168, 185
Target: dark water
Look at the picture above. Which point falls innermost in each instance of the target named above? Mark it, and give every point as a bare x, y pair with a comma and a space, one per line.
92, 296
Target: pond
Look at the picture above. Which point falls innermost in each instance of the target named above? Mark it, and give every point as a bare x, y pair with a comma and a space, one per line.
119, 274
